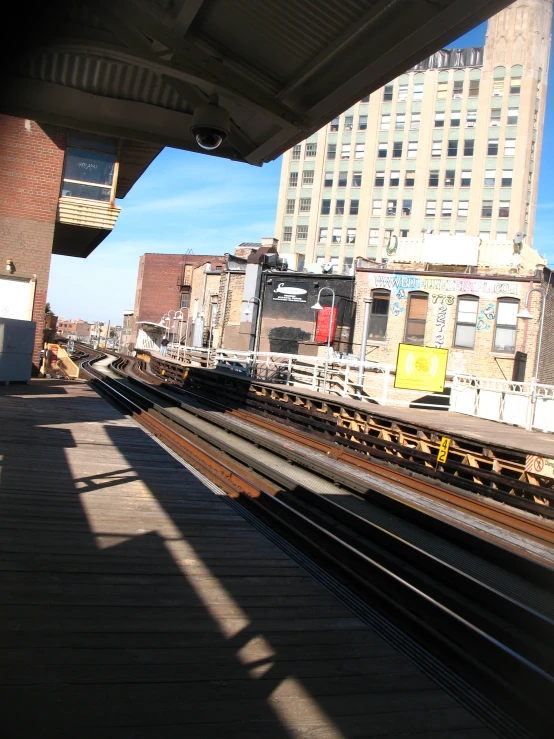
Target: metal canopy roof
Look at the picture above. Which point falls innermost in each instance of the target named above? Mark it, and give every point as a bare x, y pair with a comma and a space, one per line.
137, 69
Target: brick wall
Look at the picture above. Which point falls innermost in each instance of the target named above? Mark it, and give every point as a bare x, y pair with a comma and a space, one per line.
31, 163
440, 326
159, 286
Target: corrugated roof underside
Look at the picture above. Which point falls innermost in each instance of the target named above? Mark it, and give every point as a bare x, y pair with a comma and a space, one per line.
304, 29
105, 77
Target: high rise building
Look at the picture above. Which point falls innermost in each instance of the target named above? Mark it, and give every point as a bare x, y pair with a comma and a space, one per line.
451, 147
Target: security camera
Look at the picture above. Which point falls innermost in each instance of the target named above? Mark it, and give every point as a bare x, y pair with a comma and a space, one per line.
210, 124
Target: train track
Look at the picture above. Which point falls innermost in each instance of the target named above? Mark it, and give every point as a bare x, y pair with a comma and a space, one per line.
489, 628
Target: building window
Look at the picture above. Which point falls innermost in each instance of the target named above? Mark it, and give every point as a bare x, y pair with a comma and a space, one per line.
471, 119
442, 89
348, 122
323, 232
416, 316
89, 167
446, 211
328, 179
387, 93
311, 150
360, 151
409, 181
515, 86
484, 235
301, 233
382, 151
362, 123
490, 177
434, 178
308, 177
486, 209
458, 89
379, 315
468, 147
507, 175
498, 87
512, 116
397, 150
415, 120
400, 121
356, 179
339, 208
496, 114
431, 208
449, 177
365, 99
466, 322
391, 207
345, 151
347, 265
403, 233
473, 91
455, 117
452, 148
402, 92
343, 179
463, 208
325, 207
439, 120
436, 149
509, 147
492, 147
379, 179
385, 122
506, 323
296, 151
337, 235
376, 208
406, 207
334, 125
466, 178
354, 205
287, 233
305, 205
293, 179
394, 179
418, 91
290, 206
412, 150
350, 235
504, 209
331, 151
373, 237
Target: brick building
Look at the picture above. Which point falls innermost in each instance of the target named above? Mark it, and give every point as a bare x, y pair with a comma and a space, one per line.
74, 329
57, 196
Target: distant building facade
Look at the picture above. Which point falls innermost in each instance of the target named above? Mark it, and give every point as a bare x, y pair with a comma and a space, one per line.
451, 147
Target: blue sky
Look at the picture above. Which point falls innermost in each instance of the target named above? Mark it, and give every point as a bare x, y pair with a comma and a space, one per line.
191, 201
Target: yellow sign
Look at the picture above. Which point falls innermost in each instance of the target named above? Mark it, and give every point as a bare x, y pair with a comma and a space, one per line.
443, 450
420, 368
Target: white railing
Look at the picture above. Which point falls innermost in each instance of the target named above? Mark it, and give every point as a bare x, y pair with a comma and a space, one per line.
347, 377
527, 404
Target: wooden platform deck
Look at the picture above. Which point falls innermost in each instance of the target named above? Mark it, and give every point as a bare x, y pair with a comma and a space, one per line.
135, 602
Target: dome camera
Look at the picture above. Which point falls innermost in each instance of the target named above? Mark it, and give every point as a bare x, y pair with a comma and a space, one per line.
210, 124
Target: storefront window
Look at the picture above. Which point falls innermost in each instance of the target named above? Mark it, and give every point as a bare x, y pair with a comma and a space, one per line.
89, 167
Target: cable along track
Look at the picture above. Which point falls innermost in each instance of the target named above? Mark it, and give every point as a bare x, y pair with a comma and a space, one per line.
493, 637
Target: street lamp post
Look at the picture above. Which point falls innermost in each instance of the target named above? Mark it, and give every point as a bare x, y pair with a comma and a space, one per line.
525, 313
365, 333
318, 306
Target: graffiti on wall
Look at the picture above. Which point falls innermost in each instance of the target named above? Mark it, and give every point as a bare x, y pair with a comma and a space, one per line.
397, 309
443, 299
486, 316
440, 324
447, 285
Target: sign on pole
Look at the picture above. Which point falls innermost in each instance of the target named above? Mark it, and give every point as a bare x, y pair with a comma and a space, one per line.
420, 368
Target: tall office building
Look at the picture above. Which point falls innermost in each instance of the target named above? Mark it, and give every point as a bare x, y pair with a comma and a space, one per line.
452, 146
